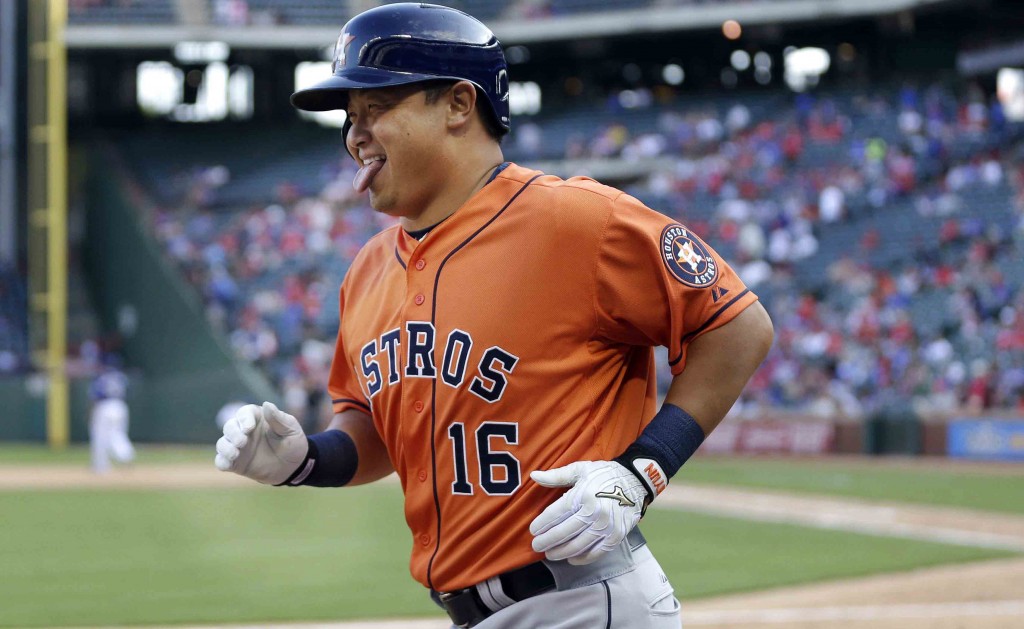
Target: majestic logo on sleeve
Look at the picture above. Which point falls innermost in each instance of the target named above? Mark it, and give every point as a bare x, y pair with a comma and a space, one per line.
687, 257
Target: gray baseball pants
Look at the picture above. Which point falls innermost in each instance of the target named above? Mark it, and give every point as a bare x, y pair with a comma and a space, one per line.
625, 589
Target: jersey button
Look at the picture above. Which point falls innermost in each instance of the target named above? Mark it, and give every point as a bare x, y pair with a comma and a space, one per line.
422, 476
418, 406
420, 265
425, 539
419, 299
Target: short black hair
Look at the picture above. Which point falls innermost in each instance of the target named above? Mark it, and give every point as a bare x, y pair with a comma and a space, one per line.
433, 90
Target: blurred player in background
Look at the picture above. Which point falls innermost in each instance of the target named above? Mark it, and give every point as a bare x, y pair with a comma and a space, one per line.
108, 419
496, 348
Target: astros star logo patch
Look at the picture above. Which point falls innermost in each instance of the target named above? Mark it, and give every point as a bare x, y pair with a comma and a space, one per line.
687, 257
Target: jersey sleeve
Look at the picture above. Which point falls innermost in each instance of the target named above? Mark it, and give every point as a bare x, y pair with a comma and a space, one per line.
659, 284
343, 385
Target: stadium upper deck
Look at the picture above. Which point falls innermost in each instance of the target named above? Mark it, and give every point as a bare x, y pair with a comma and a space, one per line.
259, 23
319, 12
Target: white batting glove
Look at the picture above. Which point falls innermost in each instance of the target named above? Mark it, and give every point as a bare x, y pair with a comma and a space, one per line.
604, 504
262, 443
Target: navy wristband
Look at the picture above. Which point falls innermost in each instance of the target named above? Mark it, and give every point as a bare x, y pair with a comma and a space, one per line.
331, 461
661, 449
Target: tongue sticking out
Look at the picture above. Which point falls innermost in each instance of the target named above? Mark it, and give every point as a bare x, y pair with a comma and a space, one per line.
362, 180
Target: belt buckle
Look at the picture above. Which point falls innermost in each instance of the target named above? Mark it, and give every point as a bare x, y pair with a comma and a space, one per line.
446, 598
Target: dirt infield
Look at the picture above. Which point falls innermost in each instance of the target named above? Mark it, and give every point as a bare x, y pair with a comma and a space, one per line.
984, 595
934, 524
166, 476
980, 595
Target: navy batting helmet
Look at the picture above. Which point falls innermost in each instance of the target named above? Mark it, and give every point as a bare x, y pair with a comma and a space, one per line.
399, 44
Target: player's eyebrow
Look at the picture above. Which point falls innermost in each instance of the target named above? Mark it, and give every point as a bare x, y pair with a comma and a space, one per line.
388, 96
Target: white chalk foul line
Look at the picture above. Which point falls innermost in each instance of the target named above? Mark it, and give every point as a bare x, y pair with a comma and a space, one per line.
783, 616
712, 617
827, 514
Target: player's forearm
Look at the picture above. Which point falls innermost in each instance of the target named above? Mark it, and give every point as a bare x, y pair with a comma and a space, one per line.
718, 366
374, 462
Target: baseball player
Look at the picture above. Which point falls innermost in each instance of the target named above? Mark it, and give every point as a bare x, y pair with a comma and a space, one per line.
108, 421
495, 347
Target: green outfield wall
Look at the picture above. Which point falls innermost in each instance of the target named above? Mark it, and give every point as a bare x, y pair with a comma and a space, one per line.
23, 408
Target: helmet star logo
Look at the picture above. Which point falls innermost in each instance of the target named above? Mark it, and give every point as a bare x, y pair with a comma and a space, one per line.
341, 49
688, 255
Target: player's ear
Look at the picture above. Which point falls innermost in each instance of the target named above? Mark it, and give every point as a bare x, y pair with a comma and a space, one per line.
461, 105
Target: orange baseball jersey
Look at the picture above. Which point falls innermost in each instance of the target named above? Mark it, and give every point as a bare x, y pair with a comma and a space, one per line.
517, 335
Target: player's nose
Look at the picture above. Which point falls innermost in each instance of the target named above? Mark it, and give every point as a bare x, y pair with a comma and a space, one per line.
355, 134
355, 141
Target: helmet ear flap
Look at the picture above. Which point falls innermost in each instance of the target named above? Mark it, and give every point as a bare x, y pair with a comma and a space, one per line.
345, 128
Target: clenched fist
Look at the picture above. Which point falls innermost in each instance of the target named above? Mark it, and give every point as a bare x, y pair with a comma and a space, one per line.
262, 443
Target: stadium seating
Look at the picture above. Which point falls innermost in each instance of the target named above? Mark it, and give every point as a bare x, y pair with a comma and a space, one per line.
589, 6
129, 12
858, 294
321, 12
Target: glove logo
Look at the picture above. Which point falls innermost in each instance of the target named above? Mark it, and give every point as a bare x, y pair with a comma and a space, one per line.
687, 257
617, 494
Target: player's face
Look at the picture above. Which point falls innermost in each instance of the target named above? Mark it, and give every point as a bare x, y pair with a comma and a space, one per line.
395, 135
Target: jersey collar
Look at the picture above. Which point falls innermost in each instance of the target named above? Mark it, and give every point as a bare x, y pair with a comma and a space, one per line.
506, 180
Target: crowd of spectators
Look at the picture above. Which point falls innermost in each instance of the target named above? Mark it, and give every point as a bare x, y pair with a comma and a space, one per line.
763, 190
871, 350
860, 341
753, 185
269, 275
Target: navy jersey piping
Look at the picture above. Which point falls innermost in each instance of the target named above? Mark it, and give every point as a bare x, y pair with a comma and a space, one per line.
433, 387
346, 400
608, 597
705, 325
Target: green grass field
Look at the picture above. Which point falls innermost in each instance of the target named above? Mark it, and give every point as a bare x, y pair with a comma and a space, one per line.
874, 480
261, 554
878, 479
78, 455
117, 557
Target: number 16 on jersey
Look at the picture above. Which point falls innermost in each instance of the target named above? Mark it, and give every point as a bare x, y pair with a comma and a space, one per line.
498, 470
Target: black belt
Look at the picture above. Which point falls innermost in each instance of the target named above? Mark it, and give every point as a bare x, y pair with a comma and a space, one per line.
467, 607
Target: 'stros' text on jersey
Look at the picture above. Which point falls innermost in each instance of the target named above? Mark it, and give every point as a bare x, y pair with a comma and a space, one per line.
382, 358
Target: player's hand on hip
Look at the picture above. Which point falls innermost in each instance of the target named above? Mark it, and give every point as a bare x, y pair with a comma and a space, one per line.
263, 443
603, 505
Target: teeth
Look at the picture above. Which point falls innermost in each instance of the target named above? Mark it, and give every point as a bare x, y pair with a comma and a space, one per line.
376, 158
